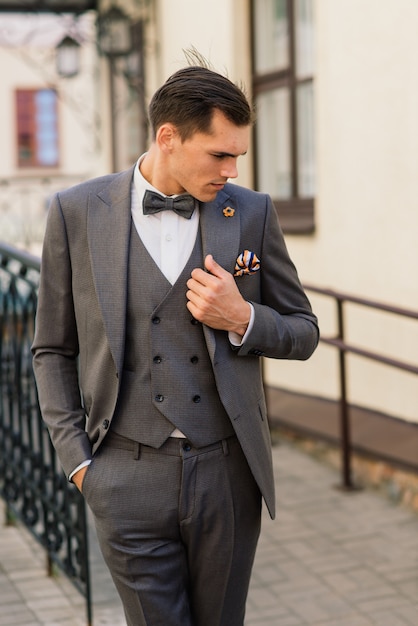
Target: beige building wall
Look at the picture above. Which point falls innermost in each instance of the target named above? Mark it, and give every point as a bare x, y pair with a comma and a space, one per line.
28, 61
33, 65
366, 241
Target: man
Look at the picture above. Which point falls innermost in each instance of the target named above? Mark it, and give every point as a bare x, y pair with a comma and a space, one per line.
160, 319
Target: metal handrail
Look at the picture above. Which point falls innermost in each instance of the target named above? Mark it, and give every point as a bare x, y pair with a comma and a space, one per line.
26, 260
345, 347
32, 482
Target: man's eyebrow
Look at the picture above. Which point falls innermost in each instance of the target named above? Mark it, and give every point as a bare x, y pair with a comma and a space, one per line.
228, 154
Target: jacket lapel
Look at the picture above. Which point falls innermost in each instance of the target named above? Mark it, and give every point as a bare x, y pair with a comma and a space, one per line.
221, 238
220, 234
108, 227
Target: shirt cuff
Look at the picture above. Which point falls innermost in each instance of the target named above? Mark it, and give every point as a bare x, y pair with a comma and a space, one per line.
236, 339
79, 467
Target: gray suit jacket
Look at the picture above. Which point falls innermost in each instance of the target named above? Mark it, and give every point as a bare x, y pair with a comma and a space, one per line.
80, 328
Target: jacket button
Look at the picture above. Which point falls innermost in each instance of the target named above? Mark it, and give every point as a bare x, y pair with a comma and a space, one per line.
157, 359
156, 320
194, 359
105, 424
159, 397
196, 399
256, 352
194, 322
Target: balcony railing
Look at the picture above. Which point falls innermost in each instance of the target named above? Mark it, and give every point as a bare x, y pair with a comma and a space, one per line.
345, 347
32, 482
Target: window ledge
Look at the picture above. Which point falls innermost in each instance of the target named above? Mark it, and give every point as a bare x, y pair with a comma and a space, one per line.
296, 216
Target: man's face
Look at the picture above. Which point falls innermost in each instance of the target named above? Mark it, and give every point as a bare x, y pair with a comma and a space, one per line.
202, 164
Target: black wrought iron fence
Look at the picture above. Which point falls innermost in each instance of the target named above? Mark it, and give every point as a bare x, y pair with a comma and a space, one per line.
32, 482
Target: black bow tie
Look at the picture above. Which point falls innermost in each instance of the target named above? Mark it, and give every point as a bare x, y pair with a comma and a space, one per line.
182, 205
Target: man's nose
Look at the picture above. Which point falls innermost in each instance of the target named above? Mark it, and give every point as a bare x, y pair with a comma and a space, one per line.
229, 170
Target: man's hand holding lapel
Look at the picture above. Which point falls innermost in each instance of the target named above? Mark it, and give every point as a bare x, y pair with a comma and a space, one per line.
214, 299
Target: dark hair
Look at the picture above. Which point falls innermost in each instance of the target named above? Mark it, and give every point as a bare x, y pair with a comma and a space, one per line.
189, 97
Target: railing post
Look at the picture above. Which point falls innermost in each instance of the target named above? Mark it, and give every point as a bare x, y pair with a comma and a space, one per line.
345, 432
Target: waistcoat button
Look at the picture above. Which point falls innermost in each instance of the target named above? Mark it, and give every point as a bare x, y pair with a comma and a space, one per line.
196, 399
194, 359
187, 447
156, 320
157, 359
159, 397
194, 322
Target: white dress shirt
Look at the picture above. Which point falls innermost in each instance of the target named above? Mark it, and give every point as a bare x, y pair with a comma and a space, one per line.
168, 237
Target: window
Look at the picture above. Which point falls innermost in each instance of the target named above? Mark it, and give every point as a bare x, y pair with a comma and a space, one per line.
37, 128
283, 69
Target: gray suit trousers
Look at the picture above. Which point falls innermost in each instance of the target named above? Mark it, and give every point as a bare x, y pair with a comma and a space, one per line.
178, 528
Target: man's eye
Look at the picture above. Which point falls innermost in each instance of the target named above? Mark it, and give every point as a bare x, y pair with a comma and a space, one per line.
219, 156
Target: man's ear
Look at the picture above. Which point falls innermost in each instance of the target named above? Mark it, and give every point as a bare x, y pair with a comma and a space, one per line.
166, 136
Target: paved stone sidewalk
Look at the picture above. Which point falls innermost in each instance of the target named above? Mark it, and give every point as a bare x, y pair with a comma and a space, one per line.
330, 559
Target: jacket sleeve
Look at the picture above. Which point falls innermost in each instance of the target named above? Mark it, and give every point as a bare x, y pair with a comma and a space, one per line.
284, 324
55, 347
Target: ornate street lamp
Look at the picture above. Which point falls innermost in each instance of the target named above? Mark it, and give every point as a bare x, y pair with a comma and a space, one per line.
115, 41
68, 57
114, 31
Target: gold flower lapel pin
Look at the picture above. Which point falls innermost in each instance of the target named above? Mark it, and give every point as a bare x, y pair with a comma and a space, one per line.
229, 212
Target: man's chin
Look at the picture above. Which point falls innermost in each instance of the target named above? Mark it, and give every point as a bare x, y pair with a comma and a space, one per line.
206, 197
211, 194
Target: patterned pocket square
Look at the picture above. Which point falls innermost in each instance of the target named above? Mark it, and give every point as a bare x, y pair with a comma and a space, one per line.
247, 263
